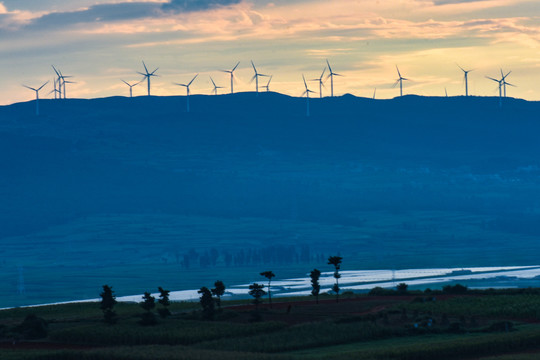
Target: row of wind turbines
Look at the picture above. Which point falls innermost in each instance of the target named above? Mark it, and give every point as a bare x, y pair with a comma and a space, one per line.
60, 83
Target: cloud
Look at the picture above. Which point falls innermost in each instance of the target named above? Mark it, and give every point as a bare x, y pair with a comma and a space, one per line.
447, 2
197, 5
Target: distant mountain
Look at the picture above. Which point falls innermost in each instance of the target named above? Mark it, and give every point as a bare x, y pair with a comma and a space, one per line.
441, 172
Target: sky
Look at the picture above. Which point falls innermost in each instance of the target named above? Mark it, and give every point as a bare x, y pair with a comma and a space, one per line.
101, 42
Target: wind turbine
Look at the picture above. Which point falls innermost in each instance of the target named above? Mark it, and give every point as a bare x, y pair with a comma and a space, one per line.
374, 93
465, 74
232, 75
55, 90
37, 95
400, 81
131, 86
321, 82
215, 86
267, 86
500, 82
256, 77
64, 82
504, 83
307, 95
147, 74
187, 90
58, 82
331, 76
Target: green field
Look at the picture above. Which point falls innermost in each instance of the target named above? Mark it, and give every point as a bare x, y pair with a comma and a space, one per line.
494, 325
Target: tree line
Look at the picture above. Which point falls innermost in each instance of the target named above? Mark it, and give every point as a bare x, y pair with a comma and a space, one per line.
210, 298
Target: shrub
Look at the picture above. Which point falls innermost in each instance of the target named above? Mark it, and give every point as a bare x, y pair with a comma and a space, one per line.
32, 328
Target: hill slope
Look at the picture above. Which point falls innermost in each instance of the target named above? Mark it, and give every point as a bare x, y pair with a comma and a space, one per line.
122, 183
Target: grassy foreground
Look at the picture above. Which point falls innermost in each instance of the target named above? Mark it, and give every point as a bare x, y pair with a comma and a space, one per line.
487, 326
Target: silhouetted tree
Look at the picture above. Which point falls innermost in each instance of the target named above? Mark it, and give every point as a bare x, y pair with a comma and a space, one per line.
316, 287
207, 303
269, 275
336, 261
257, 291
148, 303
164, 301
108, 300
218, 290
402, 288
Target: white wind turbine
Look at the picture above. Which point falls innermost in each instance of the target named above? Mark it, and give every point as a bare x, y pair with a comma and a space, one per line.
307, 95
267, 86
58, 82
232, 75
256, 77
504, 83
37, 95
400, 82
320, 81
147, 74
466, 79
500, 82
55, 90
215, 90
331, 76
187, 90
131, 86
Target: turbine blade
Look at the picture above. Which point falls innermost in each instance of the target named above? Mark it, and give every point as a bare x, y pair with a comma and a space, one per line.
41, 87
193, 79
28, 87
329, 68
125, 82
145, 68
56, 71
398, 71
323, 72
490, 78
254, 69
305, 84
234, 68
212, 80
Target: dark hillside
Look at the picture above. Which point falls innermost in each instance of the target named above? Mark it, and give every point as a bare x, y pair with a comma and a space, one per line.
406, 182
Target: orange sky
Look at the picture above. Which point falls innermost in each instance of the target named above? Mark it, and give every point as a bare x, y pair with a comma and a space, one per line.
101, 42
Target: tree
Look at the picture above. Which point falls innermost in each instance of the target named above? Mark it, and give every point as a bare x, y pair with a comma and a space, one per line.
148, 303
257, 291
269, 275
108, 300
218, 290
164, 302
315, 275
207, 303
402, 288
336, 261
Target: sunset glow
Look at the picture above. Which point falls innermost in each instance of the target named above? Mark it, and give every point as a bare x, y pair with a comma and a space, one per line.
99, 42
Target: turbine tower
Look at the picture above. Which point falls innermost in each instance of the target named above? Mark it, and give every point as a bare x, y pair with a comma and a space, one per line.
147, 74
256, 77
37, 95
307, 95
331, 76
320, 81
215, 86
267, 86
400, 81
465, 76
130, 87
232, 75
187, 90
